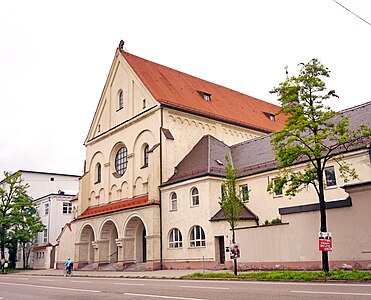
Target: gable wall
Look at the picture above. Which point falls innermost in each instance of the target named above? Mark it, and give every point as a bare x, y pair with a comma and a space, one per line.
135, 180
108, 113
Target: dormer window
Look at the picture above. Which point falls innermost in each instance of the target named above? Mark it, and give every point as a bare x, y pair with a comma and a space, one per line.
219, 162
271, 117
205, 95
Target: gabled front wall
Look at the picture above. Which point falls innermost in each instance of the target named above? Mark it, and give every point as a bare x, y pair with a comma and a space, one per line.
134, 125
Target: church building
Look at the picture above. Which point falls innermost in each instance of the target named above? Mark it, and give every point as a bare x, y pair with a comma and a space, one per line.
155, 160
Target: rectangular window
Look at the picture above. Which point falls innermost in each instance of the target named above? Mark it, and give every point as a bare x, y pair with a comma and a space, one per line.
67, 207
46, 209
45, 240
330, 177
278, 193
244, 190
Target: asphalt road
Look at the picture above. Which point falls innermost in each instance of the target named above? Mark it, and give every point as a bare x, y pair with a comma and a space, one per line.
19, 287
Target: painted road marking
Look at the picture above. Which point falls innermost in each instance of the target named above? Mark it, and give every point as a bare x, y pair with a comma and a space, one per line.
160, 296
123, 283
50, 287
80, 281
203, 287
332, 293
47, 279
239, 282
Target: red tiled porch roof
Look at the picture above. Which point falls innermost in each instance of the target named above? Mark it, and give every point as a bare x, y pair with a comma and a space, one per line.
117, 206
42, 247
181, 91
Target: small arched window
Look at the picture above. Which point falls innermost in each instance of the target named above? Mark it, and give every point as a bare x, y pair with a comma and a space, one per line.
145, 155
173, 201
195, 197
98, 173
197, 237
121, 99
121, 160
175, 238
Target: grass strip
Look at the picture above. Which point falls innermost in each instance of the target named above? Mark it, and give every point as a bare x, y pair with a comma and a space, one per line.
289, 275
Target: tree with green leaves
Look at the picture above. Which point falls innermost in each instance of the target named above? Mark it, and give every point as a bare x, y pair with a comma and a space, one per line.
18, 219
231, 203
313, 135
26, 226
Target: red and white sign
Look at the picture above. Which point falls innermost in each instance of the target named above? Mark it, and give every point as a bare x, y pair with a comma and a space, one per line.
325, 241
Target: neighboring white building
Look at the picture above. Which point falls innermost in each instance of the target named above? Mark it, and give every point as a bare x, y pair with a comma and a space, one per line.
54, 190
44, 183
55, 210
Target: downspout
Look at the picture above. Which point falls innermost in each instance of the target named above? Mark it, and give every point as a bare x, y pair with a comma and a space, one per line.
162, 123
50, 209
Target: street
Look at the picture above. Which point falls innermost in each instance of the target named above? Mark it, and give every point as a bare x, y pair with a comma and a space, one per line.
18, 287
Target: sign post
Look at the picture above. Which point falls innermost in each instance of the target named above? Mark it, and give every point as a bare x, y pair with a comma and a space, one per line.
325, 241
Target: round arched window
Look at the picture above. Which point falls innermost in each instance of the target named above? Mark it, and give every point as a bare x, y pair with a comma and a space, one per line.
121, 161
121, 99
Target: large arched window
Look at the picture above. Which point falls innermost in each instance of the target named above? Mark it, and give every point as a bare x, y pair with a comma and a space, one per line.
175, 238
121, 99
197, 237
121, 160
98, 173
195, 197
173, 201
145, 155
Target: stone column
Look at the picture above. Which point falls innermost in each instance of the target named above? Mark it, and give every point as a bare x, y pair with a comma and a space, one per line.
120, 254
96, 255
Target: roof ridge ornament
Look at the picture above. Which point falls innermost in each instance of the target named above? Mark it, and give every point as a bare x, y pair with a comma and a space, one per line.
121, 45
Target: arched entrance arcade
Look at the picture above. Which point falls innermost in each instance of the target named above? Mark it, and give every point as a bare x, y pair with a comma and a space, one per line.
135, 241
84, 247
106, 245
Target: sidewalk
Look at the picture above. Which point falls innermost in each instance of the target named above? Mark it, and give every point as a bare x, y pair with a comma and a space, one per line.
170, 274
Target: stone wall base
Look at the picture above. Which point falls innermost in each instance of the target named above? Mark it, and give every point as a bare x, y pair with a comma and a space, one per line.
302, 265
191, 265
153, 265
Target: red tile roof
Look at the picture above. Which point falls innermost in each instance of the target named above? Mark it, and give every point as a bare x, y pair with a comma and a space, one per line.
116, 206
182, 91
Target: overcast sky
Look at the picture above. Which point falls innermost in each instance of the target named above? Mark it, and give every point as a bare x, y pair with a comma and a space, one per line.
55, 57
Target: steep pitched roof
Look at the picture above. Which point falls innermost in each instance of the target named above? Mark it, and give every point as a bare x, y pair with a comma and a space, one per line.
185, 92
252, 156
206, 158
246, 214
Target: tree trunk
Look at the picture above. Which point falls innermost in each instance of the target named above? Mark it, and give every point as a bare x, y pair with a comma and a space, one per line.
24, 257
234, 259
322, 208
2, 246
